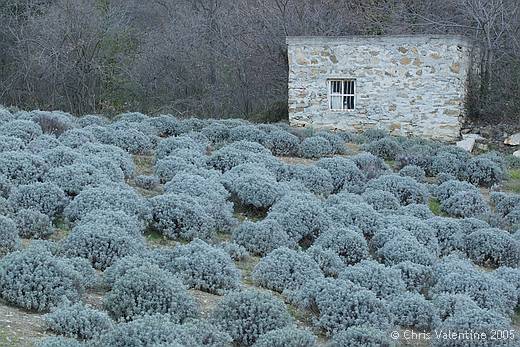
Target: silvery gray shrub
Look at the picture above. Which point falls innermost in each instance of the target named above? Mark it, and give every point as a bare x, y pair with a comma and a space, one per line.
22, 167
148, 290
9, 239
36, 280
412, 310
349, 244
46, 198
285, 269
262, 237
181, 216
25, 130
204, 267
247, 315
77, 321
102, 244
33, 224
345, 174
286, 337
383, 280
361, 336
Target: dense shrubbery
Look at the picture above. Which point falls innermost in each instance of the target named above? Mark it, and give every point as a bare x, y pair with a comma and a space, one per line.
385, 148
25, 130
107, 198
412, 310
247, 315
59, 341
256, 190
282, 143
330, 263
46, 198
315, 147
382, 280
318, 180
345, 174
332, 300
406, 189
33, 224
102, 244
483, 171
204, 267
381, 200
457, 276
262, 237
36, 280
465, 204
22, 167
360, 215
9, 240
357, 336
285, 269
414, 172
301, 216
161, 331
493, 247
286, 337
148, 290
182, 216
77, 321
349, 244
347, 238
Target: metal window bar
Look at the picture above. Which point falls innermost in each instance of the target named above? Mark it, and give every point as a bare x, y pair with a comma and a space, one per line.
342, 94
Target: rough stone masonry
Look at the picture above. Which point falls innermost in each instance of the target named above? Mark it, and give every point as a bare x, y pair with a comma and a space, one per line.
409, 85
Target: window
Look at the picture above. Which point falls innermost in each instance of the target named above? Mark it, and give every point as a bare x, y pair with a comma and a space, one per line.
342, 95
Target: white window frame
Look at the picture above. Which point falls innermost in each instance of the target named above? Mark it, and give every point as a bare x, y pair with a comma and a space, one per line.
347, 94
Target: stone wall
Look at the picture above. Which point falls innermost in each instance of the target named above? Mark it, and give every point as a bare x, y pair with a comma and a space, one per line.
410, 85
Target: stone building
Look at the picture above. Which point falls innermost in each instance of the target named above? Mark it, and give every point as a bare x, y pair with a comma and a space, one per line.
409, 85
